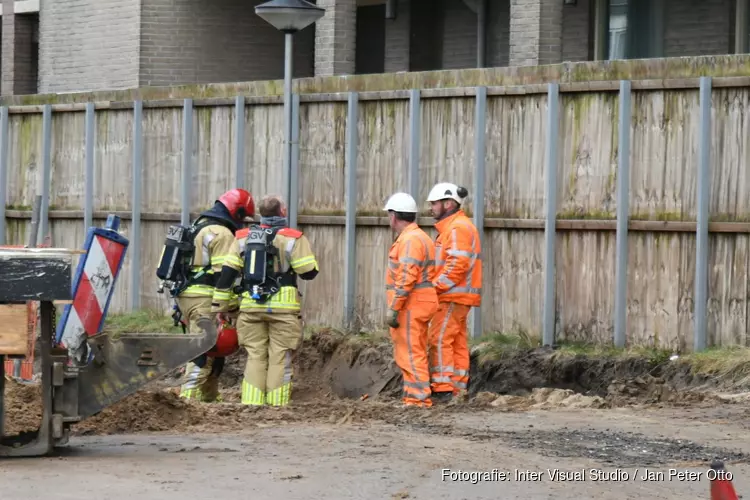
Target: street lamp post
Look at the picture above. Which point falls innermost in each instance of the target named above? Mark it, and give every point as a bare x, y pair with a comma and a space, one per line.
289, 17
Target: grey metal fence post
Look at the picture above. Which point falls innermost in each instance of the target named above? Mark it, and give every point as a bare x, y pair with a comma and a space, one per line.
135, 232
352, 148
3, 171
701, 237
294, 168
414, 140
36, 210
480, 153
551, 216
239, 141
46, 169
187, 160
623, 213
88, 212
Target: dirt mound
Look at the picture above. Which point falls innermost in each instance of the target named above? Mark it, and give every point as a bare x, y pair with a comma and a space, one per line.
144, 412
619, 381
345, 379
527, 369
162, 410
647, 389
23, 406
544, 398
330, 363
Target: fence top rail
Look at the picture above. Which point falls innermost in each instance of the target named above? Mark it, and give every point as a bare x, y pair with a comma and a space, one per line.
436, 93
492, 222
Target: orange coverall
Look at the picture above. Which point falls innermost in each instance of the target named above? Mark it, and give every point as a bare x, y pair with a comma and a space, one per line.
458, 283
410, 291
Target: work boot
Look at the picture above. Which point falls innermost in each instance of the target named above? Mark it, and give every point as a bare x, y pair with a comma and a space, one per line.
442, 397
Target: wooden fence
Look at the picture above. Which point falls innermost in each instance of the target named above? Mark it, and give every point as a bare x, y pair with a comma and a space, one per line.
508, 126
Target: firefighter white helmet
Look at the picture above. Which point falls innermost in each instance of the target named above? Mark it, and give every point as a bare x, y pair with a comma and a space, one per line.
401, 202
447, 191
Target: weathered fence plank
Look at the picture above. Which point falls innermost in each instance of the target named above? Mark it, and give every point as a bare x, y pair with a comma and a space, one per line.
661, 258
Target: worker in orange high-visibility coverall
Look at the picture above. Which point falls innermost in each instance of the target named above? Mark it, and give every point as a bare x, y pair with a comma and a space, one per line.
458, 283
411, 297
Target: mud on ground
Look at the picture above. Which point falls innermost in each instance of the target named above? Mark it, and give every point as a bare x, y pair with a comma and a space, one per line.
348, 379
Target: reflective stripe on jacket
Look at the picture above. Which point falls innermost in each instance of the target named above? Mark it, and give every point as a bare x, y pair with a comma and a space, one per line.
411, 267
214, 244
459, 261
295, 252
239, 236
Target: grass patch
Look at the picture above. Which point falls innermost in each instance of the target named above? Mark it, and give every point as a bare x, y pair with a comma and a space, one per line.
144, 321
368, 338
731, 364
371, 338
726, 363
495, 346
654, 355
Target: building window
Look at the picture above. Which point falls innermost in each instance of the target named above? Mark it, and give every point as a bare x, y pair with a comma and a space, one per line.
634, 28
741, 17
370, 41
618, 28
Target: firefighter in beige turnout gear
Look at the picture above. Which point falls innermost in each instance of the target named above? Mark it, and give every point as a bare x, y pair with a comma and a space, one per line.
271, 331
210, 296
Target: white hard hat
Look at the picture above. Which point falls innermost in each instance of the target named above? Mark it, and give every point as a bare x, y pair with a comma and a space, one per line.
401, 202
447, 191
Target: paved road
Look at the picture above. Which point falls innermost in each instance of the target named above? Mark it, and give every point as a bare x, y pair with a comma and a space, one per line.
403, 460
366, 460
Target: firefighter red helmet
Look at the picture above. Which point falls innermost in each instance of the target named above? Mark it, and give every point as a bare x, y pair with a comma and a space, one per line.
239, 202
226, 342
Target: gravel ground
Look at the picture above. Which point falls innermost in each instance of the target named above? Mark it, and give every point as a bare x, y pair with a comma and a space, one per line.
406, 458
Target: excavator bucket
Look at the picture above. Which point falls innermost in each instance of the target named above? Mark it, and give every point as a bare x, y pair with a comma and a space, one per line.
123, 364
104, 368
83, 368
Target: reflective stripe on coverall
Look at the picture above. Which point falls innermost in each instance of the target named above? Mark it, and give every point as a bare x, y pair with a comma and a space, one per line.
271, 332
409, 290
459, 286
214, 244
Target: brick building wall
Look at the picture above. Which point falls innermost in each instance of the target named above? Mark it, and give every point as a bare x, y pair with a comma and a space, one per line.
576, 31
458, 30
698, 27
459, 35
199, 41
535, 32
26, 53
336, 38
498, 32
108, 44
397, 38
19, 54
7, 79
524, 32
88, 45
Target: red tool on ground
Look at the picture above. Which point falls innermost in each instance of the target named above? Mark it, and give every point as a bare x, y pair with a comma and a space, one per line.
721, 483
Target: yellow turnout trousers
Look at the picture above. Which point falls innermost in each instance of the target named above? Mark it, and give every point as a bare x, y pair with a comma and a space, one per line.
201, 379
271, 341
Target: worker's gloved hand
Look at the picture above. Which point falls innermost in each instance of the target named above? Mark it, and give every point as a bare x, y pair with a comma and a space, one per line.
392, 319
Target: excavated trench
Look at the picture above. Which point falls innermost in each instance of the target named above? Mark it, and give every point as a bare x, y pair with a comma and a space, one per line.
339, 379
